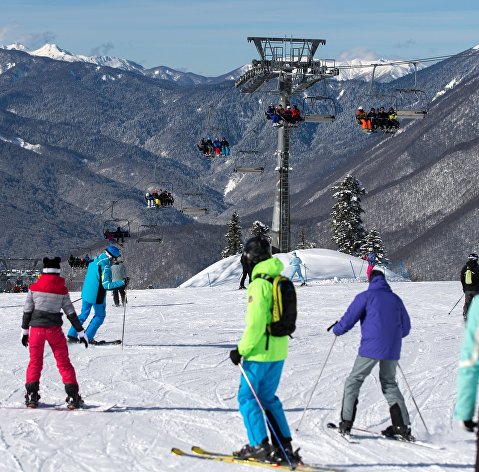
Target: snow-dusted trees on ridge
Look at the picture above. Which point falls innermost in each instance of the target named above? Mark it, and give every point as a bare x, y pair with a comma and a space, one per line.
303, 243
259, 229
234, 244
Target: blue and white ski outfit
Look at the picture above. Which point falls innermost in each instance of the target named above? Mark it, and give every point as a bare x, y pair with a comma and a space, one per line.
97, 282
295, 263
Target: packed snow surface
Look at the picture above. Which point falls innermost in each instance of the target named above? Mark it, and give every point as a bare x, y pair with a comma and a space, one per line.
178, 387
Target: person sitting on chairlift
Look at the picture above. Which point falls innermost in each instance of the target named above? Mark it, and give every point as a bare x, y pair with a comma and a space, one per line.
272, 114
217, 146
225, 147
373, 117
210, 148
394, 123
288, 115
383, 119
202, 146
363, 120
296, 114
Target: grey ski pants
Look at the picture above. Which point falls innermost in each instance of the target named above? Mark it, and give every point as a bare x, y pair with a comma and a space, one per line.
387, 376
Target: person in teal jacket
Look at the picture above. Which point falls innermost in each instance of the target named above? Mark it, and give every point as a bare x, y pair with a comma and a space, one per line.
468, 374
262, 364
97, 282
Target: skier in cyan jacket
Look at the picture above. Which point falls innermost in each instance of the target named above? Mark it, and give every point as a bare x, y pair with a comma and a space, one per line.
295, 263
97, 282
468, 374
384, 322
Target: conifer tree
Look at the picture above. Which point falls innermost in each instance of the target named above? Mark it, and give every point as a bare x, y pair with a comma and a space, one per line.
347, 226
373, 241
233, 237
259, 229
303, 243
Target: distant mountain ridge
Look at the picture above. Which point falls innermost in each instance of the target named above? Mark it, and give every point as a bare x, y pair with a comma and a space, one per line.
352, 69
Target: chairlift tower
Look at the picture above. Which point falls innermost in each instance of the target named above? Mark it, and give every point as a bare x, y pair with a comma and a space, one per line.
291, 61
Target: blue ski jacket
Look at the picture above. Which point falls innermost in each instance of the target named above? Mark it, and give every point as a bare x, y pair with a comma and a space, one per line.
98, 280
295, 261
384, 321
371, 258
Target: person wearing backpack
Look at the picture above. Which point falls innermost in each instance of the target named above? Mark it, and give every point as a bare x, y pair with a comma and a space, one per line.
470, 281
384, 322
263, 353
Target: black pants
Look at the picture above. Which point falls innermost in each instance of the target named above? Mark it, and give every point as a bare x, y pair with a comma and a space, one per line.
121, 292
243, 277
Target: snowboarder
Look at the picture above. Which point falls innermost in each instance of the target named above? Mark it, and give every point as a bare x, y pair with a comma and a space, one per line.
468, 374
118, 272
246, 271
384, 322
97, 282
371, 257
295, 263
42, 321
470, 281
262, 365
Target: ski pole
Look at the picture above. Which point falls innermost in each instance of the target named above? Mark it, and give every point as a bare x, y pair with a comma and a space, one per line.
124, 318
317, 381
19, 306
413, 399
456, 304
266, 417
352, 268
360, 270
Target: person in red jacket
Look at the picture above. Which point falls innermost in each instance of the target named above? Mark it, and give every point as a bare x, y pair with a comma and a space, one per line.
42, 322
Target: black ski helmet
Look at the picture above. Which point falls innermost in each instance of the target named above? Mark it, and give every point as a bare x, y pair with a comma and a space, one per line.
257, 249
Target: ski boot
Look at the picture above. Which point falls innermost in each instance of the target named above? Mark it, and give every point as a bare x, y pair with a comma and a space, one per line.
73, 399
260, 452
277, 455
32, 396
345, 427
398, 429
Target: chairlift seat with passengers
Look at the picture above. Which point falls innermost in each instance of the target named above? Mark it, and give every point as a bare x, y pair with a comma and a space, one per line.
116, 228
159, 195
146, 234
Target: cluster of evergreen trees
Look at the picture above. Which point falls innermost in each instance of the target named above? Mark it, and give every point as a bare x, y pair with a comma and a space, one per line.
348, 230
347, 226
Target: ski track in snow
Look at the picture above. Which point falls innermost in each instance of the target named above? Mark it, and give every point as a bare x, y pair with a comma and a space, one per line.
178, 387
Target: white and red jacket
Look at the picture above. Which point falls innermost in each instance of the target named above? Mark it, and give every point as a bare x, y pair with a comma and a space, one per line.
45, 300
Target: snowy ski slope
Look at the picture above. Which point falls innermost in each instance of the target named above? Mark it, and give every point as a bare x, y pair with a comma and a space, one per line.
178, 387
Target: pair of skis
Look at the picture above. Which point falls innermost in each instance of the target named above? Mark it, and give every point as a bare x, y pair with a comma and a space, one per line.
353, 440
202, 454
92, 408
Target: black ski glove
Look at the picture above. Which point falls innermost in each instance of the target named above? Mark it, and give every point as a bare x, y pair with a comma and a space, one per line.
235, 356
126, 281
332, 326
470, 425
25, 337
82, 338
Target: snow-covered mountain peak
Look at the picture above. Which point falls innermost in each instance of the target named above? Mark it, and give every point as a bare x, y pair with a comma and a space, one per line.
15, 47
54, 52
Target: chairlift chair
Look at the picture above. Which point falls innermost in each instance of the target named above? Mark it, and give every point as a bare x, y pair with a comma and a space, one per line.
147, 238
411, 103
192, 210
242, 167
165, 198
116, 227
318, 109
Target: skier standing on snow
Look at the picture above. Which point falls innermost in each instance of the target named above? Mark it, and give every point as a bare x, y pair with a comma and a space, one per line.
295, 263
470, 281
263, 363
97, 282
384, 322
42, 321
371, 257
246, 271
468, 374
118, 272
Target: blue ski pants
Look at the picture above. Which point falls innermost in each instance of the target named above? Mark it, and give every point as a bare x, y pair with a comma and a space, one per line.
296, 270
96, 321
264, 377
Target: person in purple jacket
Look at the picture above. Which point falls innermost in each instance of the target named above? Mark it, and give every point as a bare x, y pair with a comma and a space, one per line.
384, 322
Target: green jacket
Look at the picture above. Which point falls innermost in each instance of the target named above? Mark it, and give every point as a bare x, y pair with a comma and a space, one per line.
468, 373
258, 315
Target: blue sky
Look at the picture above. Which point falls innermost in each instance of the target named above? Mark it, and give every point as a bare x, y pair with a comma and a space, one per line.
208, 37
